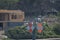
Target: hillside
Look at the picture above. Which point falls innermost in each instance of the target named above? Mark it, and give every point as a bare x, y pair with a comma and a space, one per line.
30, 7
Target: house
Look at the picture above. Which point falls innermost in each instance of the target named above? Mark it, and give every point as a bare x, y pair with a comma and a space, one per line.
10, 18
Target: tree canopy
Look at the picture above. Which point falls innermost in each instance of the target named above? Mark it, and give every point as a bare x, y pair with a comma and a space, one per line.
30, 6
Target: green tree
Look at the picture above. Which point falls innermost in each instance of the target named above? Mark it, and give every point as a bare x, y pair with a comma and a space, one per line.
57, 29
32, 7
56, 5
8, 4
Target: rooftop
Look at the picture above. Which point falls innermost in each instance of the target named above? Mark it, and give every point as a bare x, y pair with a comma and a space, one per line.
10, 11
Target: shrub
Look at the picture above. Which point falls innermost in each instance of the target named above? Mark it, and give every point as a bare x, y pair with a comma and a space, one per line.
57, 29
18, 33
23, 33
6, 39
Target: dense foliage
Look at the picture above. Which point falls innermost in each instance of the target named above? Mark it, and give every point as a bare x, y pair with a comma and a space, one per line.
18, 33
57, 29
23, 33
30, 6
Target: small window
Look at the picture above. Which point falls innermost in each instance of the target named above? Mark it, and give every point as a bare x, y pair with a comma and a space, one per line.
14, 16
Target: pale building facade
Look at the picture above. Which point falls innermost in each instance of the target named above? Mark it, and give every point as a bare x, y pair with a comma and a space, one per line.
10, 18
